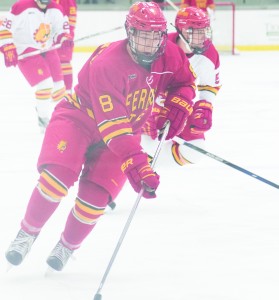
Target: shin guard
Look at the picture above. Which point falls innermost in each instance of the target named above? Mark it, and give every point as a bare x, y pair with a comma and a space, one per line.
89, 207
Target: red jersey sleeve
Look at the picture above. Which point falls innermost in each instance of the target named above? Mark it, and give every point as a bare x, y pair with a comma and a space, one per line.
70, 10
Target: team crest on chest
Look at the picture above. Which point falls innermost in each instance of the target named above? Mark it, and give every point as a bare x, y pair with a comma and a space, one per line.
42, 34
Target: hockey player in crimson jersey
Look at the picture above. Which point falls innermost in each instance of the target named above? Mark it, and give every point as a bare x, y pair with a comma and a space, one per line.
38, 25
65, 54
193, 36
94, 136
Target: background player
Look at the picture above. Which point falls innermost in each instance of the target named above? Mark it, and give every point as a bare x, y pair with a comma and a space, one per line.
38, 25
194, 37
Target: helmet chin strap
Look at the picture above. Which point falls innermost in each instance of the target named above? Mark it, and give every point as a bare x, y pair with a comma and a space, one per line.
183, 39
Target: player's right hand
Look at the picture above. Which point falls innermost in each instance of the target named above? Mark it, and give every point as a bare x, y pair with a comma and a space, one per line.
141, 175
149, 128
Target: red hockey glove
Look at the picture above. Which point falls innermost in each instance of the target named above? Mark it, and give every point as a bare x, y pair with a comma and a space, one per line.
201, 118
10, 54
66, 41
140, 174
176, 110
66, 50
149, 128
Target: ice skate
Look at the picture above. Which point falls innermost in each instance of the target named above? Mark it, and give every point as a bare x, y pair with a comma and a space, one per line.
59, 257
110, 207
20, 247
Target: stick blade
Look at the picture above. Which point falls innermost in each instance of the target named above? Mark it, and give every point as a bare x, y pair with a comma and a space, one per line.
97, 297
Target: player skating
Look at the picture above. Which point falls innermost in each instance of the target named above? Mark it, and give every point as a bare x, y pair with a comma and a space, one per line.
94, 136
38, 25
194, 37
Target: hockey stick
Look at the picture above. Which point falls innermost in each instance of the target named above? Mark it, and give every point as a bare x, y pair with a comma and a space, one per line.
223, 161
98, 33
98, 296
40, 51
172, 5
179, 32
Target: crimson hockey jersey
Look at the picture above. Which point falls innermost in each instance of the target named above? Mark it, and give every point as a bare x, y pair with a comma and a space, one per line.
121, 93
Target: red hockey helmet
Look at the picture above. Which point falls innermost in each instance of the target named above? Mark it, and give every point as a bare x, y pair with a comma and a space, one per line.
146, 29
194, 25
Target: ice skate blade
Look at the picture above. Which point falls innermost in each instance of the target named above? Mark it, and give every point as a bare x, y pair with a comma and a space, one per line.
9, 267
110, 208
49, 271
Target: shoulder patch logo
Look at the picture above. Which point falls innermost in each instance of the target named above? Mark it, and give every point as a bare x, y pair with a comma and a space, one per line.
62, 145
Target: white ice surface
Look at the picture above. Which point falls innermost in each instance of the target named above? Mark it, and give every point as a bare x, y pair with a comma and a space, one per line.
212, 233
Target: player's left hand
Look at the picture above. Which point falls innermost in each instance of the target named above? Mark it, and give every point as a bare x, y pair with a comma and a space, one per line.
140, 174
149, 128
10, 54
66, 41
176, 110
201, 118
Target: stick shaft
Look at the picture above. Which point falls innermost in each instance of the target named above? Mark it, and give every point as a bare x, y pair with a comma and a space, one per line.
40, 51
172, 5
132, 213
223, 161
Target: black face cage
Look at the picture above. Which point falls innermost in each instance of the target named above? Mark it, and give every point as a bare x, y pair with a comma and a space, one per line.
199, 39
146, 46
44, 2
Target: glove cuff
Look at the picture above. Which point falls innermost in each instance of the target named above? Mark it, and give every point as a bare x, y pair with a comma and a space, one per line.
203, 104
